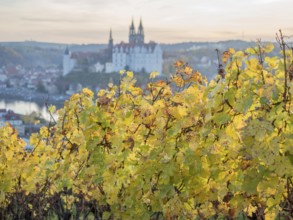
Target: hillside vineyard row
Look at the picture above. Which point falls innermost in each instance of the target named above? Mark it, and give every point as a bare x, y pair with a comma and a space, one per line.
183, 148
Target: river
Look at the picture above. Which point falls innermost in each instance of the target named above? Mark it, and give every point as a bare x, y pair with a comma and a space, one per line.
24, 107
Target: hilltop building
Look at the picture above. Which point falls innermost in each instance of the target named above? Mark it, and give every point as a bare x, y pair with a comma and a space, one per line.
136, 55
68, 62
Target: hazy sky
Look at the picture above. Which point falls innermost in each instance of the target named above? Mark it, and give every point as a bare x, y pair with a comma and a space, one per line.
89, 21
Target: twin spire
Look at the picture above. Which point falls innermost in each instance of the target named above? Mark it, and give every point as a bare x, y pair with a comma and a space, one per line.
134, 37
132, 28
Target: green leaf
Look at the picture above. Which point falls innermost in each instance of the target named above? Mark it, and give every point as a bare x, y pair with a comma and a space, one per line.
222, 118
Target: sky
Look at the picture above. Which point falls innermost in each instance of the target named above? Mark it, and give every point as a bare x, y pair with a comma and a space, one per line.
164, 21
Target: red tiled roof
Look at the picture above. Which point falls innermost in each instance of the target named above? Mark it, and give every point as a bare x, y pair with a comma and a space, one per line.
11, 70
150, 45
12, 116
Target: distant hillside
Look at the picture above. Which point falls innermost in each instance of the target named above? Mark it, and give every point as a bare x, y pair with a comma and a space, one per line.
31, 53
56, 46
42, 45
29, 56
221, 45
9, 55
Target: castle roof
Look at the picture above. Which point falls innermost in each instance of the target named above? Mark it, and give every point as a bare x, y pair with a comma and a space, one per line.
149, 46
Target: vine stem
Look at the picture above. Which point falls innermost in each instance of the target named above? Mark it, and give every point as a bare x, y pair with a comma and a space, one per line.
280, 39
261, 61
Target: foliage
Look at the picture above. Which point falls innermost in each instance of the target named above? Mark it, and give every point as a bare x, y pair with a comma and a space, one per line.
180, 149
33, 118
41, 87
100, 80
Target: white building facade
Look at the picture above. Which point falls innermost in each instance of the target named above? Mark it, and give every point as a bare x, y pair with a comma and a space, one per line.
68, 62
138, 58
137, 55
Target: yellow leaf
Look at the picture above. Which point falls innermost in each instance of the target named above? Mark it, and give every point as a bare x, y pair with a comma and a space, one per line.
239, 54
253, 63
129, 74
135, 90
179, 63
178, 80
272, 62
269, 48
250, 210
270, 216
160, 83
87, 92
250, 50
231, 50
153, 75
9, 154
101, 92
225, 56
188, 70
44, 132
196, 77
52, 108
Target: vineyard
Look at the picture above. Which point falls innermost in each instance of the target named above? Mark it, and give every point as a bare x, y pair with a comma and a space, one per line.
181, 148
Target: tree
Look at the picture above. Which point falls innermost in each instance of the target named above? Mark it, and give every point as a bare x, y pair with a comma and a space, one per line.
40, 87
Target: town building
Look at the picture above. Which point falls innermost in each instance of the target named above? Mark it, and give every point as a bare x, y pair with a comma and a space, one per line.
13, 119
136, 55
68, 62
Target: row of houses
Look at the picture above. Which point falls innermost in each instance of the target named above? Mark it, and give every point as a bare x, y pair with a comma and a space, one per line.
15, 120
9, 116
34, 79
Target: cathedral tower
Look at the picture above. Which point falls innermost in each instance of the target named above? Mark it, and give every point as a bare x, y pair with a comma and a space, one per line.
132, 34
140, 34
68, 62
110, 46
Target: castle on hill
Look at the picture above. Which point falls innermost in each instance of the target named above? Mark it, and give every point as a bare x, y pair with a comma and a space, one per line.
136, 55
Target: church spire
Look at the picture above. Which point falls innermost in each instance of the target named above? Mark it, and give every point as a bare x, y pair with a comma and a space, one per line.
140, 28
66, 52
110, 45
132, 28
140, 33
132, 34
110, 38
